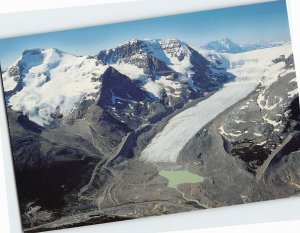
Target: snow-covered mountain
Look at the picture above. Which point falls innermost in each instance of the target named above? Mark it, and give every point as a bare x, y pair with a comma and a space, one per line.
224, 45
47, 82
44, 81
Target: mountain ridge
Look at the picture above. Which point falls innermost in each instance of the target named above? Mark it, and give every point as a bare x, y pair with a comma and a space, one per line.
170, 71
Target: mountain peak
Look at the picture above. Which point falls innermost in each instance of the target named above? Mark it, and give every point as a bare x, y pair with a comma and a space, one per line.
40, 52
135, 49
226, 39
131, 42
146, 43
40, 57
224, 45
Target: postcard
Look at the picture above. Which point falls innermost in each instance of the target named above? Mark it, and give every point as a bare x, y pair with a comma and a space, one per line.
153, 117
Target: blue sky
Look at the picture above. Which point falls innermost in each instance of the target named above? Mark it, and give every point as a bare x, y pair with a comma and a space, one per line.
264, 21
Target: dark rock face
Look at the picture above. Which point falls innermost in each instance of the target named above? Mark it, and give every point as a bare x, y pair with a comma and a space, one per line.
253, 155
29, 125
118, 90
125, 101
204, 79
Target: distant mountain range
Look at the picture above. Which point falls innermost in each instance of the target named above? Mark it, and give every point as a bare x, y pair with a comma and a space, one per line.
223, 46
226, 45
262, 45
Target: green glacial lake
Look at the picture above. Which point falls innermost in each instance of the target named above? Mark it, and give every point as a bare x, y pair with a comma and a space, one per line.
180, 177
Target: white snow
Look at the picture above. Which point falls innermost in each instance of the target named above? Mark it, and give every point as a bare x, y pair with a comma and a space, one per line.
173, 49
170, 85
231, 134
154, 88
262, 143
9, 82
274, 123
245, 106
294, 80
56, 80
262, 67
131, 71
257, 65
291, 94
169, 51
155, 48
258, 134
218, 59
273, 106
239, 121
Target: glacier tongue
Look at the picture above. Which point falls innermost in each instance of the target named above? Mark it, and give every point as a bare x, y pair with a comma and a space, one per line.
167, 144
